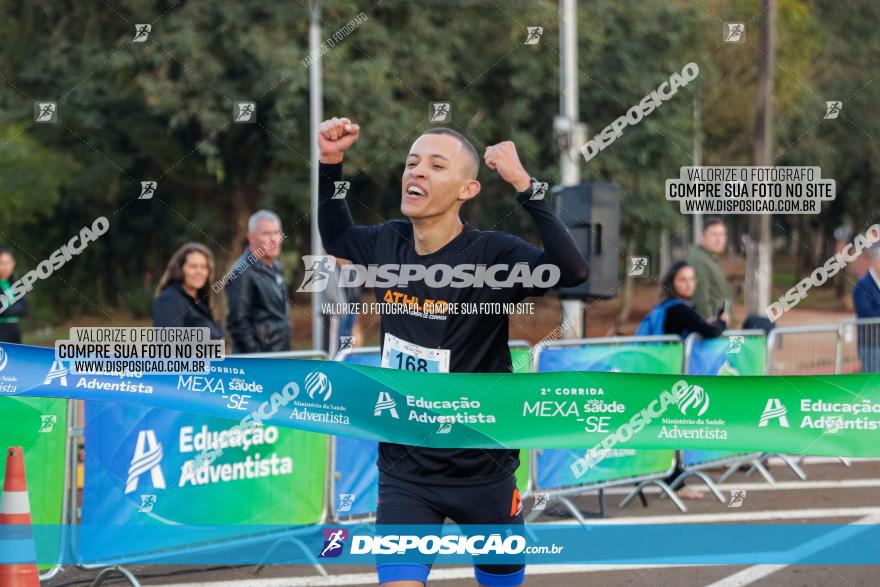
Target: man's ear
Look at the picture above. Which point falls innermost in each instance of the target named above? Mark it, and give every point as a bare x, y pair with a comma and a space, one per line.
470, 190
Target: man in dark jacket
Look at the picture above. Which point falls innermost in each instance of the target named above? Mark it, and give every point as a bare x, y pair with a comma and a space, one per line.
866, 299
258, 318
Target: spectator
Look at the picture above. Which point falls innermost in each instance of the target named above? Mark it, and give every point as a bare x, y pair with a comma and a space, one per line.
258, 306
674, 314
866, 299
10, 329
183, 297
713, 292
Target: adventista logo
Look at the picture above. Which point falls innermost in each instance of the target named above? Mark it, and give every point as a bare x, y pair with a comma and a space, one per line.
146, 459
317, 382
56, 371
4, 358
334, 542
692, 397
774, 410
386, 402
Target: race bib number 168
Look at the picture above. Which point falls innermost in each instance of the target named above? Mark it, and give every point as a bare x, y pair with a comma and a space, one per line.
400, 354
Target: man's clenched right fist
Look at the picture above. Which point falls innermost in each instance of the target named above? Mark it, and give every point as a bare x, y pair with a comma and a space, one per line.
335, 136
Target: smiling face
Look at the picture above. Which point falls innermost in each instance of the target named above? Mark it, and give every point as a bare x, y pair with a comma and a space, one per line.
195, 271
438, 177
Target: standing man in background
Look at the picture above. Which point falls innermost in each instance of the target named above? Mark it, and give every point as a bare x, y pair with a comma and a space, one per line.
712, 299
259, 312
866, 300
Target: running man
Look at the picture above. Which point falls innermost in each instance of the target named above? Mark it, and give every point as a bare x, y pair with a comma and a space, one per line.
426, 485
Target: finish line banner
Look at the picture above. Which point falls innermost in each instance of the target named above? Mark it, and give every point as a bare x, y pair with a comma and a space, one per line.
836, 415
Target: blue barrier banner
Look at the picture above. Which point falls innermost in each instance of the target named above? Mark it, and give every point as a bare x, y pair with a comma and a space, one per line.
553, 466
732, 355
136, 470
357, 478
360, 544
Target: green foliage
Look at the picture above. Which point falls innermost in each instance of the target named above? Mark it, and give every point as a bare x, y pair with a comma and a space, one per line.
162, 110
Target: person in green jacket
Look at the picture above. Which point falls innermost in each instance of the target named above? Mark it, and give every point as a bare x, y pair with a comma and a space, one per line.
713, 292
10, 330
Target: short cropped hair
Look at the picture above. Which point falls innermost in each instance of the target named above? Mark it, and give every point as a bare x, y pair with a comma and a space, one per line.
469, 148
710, 221
259, 215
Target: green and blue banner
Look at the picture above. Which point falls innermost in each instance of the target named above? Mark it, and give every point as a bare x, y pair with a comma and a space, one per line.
837, 415
731, 355
39, 426
356, 480
553, 467
136, 473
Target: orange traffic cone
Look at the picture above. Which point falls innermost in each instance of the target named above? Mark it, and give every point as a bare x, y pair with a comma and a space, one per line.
15, 509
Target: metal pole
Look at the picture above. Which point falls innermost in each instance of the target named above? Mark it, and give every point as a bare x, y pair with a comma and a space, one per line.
573, 311
316, 111
698, 161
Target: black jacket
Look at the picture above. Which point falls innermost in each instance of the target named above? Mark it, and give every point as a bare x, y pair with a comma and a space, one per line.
174, 307
258, 309
682, 319
19, 309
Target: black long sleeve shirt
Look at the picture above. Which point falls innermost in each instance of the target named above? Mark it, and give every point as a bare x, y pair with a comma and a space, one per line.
682, 319
477, 343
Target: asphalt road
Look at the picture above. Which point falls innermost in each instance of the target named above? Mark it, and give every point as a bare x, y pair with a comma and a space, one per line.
832, 494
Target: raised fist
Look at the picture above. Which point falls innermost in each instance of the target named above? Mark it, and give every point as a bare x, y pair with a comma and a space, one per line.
503, 159
335, 136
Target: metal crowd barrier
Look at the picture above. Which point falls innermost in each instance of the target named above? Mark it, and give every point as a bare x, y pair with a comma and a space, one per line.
852, 346
725, 357
549, 468
804, 350
354, 479
274, 540
859, 346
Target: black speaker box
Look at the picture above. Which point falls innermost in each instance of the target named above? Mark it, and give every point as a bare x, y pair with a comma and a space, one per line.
591, 211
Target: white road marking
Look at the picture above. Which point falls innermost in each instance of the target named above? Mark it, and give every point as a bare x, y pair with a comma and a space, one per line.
758, 572
764, 486
852, 512
871, 515
446, 574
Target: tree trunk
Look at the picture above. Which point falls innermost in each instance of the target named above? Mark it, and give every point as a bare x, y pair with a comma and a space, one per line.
666, 251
